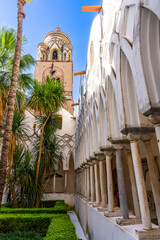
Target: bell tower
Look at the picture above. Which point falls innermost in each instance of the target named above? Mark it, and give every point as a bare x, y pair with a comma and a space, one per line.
55, 59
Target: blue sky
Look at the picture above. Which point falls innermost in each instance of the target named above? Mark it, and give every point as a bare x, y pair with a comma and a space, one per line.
43, 16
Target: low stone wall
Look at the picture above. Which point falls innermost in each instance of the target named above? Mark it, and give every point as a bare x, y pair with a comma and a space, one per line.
67, 197
97, 226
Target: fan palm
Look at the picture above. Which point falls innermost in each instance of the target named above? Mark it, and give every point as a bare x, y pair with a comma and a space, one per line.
7, 53
50, 152
46, 99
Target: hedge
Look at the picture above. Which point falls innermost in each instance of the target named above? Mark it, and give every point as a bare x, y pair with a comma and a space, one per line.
21, 236
59, 208
25, 222
47, 204
61, 228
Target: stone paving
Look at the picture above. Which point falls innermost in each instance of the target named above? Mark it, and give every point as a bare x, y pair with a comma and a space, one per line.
79, 231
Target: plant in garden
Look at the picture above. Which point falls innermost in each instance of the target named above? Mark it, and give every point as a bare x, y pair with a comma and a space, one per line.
7, 53
46, 99
11, 97
50, 153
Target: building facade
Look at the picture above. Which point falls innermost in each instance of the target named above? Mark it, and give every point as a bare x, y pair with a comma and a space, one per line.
117, 141
55, 59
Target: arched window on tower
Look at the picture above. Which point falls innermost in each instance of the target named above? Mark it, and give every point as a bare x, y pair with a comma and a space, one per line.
55, 55
64, 56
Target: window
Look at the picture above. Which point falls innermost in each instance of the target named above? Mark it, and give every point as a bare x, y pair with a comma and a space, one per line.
55, 55
64, 56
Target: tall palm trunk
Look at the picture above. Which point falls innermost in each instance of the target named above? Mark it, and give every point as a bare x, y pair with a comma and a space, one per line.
10, 163
40, 148
11, 99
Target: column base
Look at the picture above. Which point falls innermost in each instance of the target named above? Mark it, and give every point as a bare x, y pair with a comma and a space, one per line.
113, 214
102, 209
91, 203
96, 205
148, 235
129, 221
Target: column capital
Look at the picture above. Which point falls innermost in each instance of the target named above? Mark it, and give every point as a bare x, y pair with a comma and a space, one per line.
92, 158
95, 161
154, 118
89, 161
99, 156
86, 165
145, 137
120, 143
108, 150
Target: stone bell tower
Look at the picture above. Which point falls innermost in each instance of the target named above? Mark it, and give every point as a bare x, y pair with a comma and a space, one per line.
55, 59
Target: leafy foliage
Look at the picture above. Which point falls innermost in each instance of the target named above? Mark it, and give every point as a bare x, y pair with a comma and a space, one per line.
61, 228
47, 97
21, 235
7, 53
59, 208
25, 222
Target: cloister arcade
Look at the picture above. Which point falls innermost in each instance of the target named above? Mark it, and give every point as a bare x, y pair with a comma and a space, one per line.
118, 121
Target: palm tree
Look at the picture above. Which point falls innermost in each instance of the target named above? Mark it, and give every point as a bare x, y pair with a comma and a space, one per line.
46, 99
7, 52
19, 134
50, 152
11, 98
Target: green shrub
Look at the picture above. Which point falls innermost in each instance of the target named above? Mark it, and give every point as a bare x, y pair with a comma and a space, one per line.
59, 208
25, 222
47, 204
8, 205
61, 228
21, 236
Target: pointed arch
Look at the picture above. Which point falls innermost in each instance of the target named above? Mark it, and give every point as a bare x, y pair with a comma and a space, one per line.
129, 94
71, 181
112, 112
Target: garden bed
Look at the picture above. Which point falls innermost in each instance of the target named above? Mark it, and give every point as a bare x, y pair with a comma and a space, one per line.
50, 223
59, 208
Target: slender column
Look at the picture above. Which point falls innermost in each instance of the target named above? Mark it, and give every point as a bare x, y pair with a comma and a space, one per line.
92, 182
88, 183
65, 180
54, 182
83, 186
103, 184
97, 183
157, 128
133, 185
81, 179
154, 178
85, 182
142, 194
109, 183
122, 190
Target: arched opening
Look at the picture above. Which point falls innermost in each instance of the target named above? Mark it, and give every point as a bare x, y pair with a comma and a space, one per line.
59, 188
114, 131
90, 139
102, 125
65, 57
150, 48
95, 131
129, 94
71, 181
55, 55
